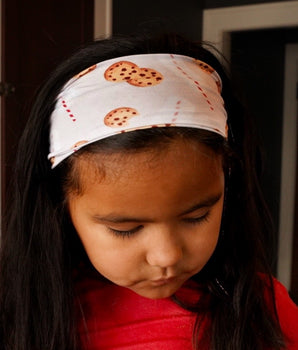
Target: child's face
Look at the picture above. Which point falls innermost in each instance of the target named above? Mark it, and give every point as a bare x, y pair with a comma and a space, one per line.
150, 221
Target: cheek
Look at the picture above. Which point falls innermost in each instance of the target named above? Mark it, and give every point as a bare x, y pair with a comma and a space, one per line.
111, 257
205, 241
203, 247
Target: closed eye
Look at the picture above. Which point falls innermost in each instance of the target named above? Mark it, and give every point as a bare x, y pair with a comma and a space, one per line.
198, 220
128, 233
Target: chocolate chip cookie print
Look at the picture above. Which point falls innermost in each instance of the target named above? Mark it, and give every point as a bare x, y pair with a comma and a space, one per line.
132, 74
208, 69
129, 72
119, 117
121, 71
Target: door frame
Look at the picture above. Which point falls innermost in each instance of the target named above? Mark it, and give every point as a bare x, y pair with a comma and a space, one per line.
219, 22
103, 14
288, 166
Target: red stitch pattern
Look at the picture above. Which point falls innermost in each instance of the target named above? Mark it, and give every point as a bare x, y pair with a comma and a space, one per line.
194, 81
68, 111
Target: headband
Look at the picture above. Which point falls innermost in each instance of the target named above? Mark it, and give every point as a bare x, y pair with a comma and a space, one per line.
135, 92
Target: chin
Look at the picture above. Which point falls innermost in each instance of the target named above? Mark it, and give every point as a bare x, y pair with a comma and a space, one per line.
157, 293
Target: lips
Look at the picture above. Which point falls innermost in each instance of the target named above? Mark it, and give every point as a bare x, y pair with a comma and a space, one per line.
162, 281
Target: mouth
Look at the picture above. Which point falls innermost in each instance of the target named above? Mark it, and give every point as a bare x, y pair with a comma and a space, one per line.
163, 281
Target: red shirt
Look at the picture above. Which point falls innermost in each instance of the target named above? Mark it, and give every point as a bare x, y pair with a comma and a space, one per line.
118, 318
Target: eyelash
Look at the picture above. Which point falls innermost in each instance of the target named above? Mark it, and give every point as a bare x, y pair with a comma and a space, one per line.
124, 234
192, 221
198, 220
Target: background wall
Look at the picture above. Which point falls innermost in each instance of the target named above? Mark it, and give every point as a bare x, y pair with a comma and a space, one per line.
132, 16
184, 17
257, 63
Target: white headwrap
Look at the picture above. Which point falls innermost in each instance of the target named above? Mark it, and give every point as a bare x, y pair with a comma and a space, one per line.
135, 92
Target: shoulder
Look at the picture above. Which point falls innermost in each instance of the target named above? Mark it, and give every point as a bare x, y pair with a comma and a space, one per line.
285, 306
286, 309
287, 312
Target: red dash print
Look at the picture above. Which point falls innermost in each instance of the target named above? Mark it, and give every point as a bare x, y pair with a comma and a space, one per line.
177, 111
68, 111
212, 109
194, 81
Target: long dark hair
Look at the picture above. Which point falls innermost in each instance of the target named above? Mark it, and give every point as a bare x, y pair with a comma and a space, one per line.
40, 250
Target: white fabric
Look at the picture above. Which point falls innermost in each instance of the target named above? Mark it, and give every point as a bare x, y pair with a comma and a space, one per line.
135, 92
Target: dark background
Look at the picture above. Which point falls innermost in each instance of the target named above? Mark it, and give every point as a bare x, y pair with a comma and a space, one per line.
184, 16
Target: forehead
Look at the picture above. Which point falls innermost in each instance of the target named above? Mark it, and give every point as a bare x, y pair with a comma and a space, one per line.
177, 163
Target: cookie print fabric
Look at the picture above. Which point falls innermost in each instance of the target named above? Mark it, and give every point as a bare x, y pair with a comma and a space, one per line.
135, 92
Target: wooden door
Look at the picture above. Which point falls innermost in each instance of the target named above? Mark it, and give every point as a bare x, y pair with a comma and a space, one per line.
36, 36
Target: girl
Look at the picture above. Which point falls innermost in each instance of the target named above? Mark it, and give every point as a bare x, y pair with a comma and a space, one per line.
137, 221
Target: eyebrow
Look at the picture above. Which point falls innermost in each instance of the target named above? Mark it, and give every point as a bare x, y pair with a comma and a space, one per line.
208, 202
118, 219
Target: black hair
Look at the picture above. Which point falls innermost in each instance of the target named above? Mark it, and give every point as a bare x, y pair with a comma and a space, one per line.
40, 249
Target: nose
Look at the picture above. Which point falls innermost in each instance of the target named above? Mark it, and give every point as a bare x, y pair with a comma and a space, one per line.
164, 249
